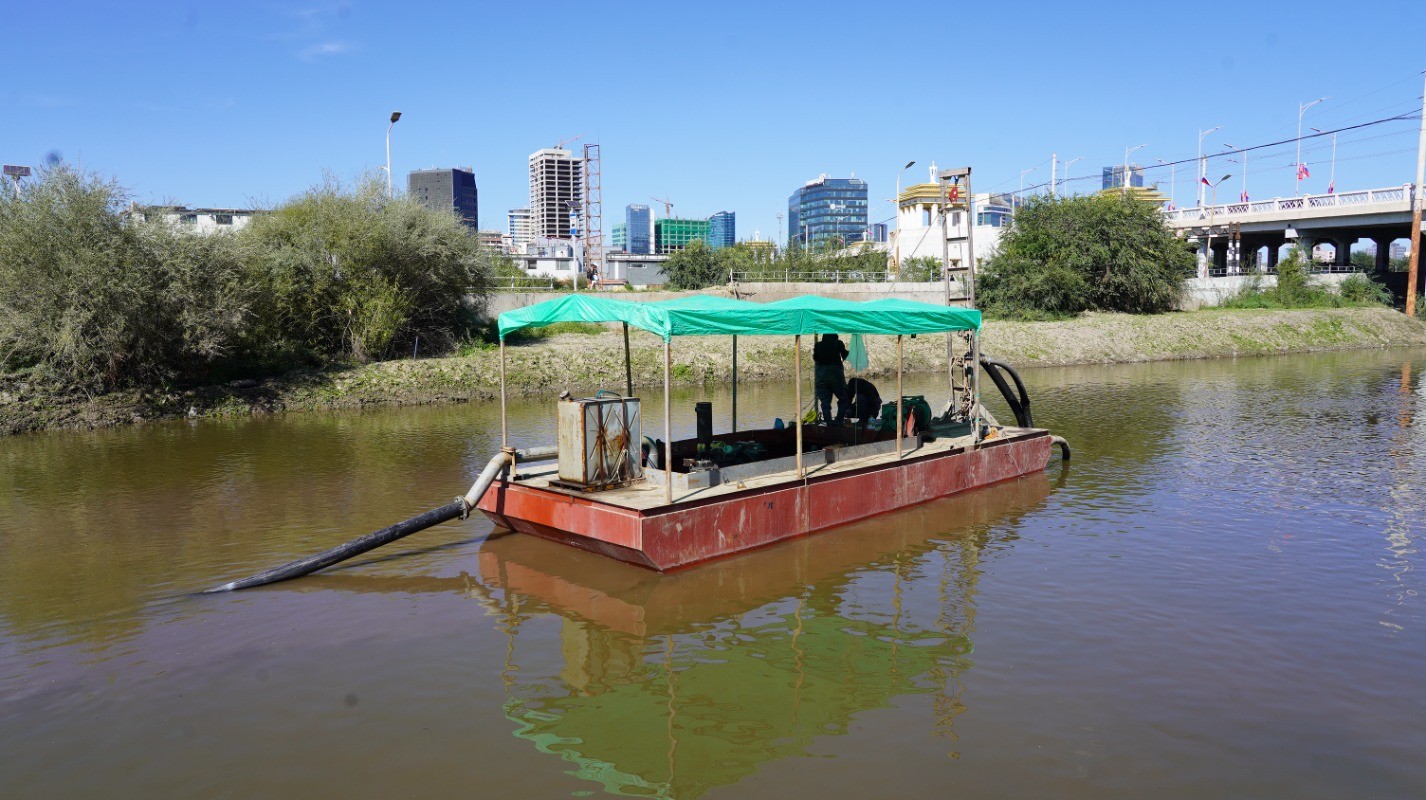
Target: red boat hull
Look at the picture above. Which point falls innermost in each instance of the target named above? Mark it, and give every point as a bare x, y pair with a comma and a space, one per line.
673, 536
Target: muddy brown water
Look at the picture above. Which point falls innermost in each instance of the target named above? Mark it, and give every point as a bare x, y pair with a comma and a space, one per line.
1219, 596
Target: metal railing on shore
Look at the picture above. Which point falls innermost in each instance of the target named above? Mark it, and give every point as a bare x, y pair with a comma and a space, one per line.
815, 276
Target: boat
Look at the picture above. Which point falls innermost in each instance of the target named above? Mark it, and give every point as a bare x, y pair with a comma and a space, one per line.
667, 504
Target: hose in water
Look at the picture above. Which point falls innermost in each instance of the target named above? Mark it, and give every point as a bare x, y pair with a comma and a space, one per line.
459, 507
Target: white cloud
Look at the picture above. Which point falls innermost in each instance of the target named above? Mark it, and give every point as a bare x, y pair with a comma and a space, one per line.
324, 49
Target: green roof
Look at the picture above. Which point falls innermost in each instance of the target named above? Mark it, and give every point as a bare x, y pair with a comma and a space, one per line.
705, 315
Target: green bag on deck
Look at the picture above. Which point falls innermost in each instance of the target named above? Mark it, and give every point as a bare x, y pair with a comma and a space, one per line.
913, 406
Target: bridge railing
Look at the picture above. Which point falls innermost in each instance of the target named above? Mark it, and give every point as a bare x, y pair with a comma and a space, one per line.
1389, 194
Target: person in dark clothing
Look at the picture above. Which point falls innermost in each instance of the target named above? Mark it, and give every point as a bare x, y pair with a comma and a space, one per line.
827, 356
865, 401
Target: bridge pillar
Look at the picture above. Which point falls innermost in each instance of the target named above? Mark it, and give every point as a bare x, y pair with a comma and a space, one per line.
1220, 256
1273, 249
1383, 254
1344, 251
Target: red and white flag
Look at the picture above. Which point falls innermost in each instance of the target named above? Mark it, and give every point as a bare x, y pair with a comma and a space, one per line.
1205, 182
1302, 172
1331, 187
1243, 197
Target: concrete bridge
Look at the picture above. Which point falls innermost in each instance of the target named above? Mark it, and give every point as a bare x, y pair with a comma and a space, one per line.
1238, 233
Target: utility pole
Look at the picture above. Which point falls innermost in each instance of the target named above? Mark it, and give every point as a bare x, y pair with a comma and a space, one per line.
1414, 269
1054, 170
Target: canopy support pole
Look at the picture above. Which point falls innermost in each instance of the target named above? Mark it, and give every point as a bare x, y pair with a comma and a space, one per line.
504, 425
975, 387
668, 420
797, 376
899, 393
735, 383
628, 365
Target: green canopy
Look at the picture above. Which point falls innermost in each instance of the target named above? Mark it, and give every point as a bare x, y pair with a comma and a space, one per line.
704, 315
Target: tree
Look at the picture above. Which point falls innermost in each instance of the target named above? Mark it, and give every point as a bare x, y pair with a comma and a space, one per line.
96, 299
696, 266
353, 274
1074, 254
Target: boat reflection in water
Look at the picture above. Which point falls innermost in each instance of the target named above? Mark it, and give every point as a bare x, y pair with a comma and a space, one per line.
668, 685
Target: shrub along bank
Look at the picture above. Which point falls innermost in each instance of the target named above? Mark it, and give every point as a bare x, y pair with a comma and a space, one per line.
585, 358
95, 299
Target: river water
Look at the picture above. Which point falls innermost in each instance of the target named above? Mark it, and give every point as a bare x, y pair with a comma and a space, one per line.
1219, 596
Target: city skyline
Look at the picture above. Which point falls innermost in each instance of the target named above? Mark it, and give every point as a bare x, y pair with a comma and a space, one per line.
317, 85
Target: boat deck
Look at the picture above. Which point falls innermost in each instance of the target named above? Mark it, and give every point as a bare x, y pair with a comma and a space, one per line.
646, 495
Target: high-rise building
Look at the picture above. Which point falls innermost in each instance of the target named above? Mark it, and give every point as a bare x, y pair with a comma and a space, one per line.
619, 239
878, 232
556, 188
672, 234
1114, 176
639, 224
722, 230
827, 210
519, 227
450, 190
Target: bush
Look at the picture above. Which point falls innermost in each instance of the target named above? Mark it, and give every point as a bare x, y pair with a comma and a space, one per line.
1296, 289
1099, 252
1362, 290
354, 275
95, 301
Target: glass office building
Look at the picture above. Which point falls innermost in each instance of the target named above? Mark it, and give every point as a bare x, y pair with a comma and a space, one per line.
450, 190
673, 234
722, 229
638, 226
827, 211
1114, 177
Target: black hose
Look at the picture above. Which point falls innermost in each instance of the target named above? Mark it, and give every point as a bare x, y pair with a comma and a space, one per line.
1019, 405
356, 547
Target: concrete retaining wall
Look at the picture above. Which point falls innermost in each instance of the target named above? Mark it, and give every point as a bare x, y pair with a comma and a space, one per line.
1200, 292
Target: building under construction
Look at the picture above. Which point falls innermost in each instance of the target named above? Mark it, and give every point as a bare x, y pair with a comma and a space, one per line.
556, 189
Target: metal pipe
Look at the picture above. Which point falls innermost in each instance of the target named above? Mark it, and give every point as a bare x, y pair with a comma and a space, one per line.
899, 393
667, 421
628, 365
735, 383
504, 424
797, 377
460, 507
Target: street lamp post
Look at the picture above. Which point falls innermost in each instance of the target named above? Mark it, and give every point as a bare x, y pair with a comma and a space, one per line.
896, 235
395, 115
1297, 167
1067, 166
1208, 259
1127, 151
1172, 170
1332, 175
1203, 165
1016, 210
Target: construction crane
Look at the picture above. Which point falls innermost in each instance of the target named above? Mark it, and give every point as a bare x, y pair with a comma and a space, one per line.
563, 142
667, 206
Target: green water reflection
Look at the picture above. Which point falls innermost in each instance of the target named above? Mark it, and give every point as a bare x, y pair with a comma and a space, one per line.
669, 685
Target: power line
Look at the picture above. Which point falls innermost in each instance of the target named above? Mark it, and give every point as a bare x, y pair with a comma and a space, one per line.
1145, 168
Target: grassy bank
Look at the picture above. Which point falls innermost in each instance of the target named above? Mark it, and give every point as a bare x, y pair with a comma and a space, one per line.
588, 360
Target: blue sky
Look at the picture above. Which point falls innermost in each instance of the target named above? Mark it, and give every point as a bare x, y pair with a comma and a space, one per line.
717, 106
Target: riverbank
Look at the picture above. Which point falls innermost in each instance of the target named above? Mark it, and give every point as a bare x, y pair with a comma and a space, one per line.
584, 362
